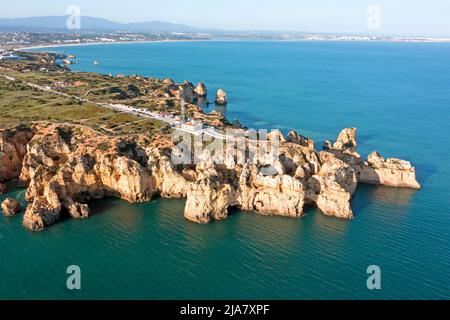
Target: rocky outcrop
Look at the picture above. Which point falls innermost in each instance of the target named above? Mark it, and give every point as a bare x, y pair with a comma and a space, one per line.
376, 170
168, 81
346, 140
209, 197
276, 136
221, 97
296, 138
387, 172
10, 207
66, 166
345, 147
13, 144
333, 187
280, 194
200, 90
186, 92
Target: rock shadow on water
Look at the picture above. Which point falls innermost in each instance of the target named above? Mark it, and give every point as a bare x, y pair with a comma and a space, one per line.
98, 207
365, 138
366, 195
425, 171
101, 206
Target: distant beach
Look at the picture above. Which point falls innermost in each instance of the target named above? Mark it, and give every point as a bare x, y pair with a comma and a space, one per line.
310, 39
99, 43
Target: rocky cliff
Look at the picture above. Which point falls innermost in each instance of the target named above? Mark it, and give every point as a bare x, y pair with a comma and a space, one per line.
13, 144
375, 170
66, 166
387, 172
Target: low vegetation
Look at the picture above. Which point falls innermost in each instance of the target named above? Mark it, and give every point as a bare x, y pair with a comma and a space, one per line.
20, 103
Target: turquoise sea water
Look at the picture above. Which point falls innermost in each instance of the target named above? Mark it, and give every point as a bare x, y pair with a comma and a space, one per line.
398, 95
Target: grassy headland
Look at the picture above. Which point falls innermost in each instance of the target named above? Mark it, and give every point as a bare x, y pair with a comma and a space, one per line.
38, 89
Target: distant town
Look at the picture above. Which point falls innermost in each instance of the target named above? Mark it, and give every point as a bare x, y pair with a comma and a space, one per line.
20, 40
14, 40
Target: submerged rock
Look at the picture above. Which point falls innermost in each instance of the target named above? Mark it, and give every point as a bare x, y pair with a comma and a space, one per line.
221, 97
3, 188
10, 207
77, 210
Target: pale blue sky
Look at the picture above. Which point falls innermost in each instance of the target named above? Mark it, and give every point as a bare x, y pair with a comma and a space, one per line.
414, 17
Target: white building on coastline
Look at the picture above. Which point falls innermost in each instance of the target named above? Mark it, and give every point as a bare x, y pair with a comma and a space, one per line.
192, 126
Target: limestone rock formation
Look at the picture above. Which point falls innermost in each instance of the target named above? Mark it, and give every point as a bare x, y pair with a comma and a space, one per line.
276, 136
186, 92
221, 97
280, 195
387, 172
294, 137
76, 210
13, 144
249, 189
208, 199
168, 81
333, 187
345, 147
346, 140
10, 207
65, 166
376, 170
200, 90
62, 172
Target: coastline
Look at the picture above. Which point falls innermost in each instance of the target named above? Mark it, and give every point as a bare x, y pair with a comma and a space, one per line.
274, 228
100, 43
302, 175
426, 41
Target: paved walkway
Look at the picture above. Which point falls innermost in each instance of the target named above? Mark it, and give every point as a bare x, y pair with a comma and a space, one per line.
136, 111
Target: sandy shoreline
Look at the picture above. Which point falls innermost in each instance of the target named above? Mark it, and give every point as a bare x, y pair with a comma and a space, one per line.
44, 46
223, 40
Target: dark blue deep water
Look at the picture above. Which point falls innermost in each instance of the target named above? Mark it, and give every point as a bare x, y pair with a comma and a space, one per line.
397, 94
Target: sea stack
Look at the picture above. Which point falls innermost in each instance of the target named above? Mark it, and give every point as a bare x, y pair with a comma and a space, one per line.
200, 90
186, 92
390, 172
221, 97
10, 207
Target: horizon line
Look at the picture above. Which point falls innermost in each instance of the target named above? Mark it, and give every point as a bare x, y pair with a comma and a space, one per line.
218, 29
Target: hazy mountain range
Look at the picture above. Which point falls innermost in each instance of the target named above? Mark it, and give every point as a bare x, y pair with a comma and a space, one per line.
59, 24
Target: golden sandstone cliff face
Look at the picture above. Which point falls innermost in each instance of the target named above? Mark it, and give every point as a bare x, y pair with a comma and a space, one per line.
66, 166
375, 170
12, 151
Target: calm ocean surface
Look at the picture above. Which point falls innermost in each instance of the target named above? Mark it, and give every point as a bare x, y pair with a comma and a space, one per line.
398, 95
